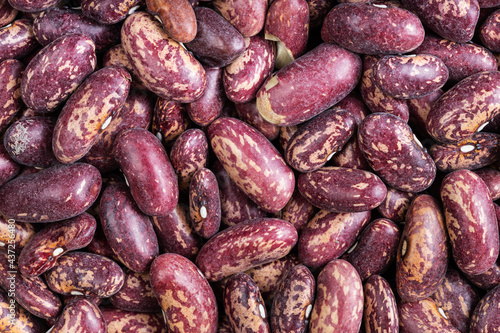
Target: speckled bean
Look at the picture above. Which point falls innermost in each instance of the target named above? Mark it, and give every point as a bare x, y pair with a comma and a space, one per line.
395, 204
380, 310
80, 315
247, 17
17, 40
136, 294
423, 315
11, 73
486, 316
23, 233
15, 319
108, 11
119, 321
8, 167
204, 203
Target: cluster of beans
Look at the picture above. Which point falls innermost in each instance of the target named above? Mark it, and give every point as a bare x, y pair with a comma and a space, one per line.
249, 166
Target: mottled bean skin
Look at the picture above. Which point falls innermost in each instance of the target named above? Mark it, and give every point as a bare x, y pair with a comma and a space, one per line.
471, 221
328, 235
249, 113
129, 231
454, 20
491, 178
244, 246
419, 110
204, 203
11, 73
390, 148
163, 65
395, 204
17, 40
248, 18
244, 76
56, 22
136, 294
56, 71
217, 42
8, 167
372, 29
119, 321
244, 305
170, 119
116, 56
57, 193
292, 303
350, 156
380, 309
422, 256
21, 321
209, 106
175, 233
108, 11
185, 296
460, 111
339, 189
315, 141
410, 76
457, 298
177, 16
486, 316
145, 163
80, 315
189, 154
487, 280
309, 85
298, 211
78, 273
23, 232
339, 299
375, 249
252, 163
33, 6
423, 316
38, 255
489, 32
481, 149
7, 13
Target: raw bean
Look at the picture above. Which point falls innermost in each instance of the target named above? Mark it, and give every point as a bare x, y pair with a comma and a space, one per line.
17, 40
145, 164
136, 112
375, 249
7, 13
455, 20
252, 162
489, 32
355, 105
204, 203
384, 29
395, 204
244, 76
244, 305
209, 106
471, 221
177, 16
351, 156
293, 302
129, 231
380, 310
462, 59
249, 113
298, 211
56, 22
29, 141
317, 140
80, 315
217, 42
457, 298
247, 17
419, 110
309, 85
268, 276
461, 111
175, 233
187, 301
375, 98
422, 256
244, 246
54, 194
56, 71
31, 293
189, 154
287, 23
170, 119
88, 111
108, 11
491, 178
15, 319
11, 73
23, 233
136, 294
82, 273
488, 3
49, 244
116, 56
99, 245
328, 235
31, 6
224, 325
286, 133
345, 190
318, 9
479, 150
178, 77
423, 316
236, 206
119, 321
487, 280
8, 167
339, 299
486, 316
393, 152
410, 76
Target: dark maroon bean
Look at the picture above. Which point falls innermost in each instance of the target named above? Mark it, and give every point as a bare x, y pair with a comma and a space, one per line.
491, 178
423, 315
209, 106
8, 167
136, 294
11, 73
486, 316
380, 309
17, 40
7, 13
298, 211
108, 11
170, 119
395, 204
